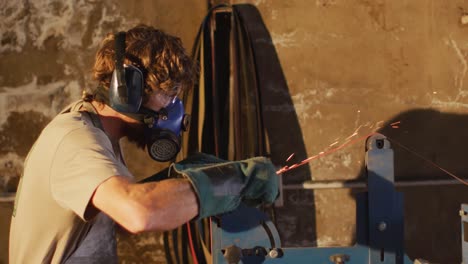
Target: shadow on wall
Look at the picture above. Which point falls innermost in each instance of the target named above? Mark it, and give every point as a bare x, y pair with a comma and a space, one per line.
296, 221
432, 223
420, 139
431, 219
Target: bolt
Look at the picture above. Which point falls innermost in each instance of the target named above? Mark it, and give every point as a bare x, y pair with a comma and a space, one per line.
462, 212
382, 226
380, 143
339, 258
274, 253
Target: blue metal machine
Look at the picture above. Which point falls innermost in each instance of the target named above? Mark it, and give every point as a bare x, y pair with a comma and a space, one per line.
247, 235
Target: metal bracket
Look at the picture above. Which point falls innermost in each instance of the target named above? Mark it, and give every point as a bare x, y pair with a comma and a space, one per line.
246, 235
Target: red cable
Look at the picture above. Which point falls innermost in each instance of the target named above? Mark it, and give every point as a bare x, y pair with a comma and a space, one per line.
192, 249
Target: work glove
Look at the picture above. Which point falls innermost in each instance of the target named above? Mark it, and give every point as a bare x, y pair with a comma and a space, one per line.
222, 185
192, 161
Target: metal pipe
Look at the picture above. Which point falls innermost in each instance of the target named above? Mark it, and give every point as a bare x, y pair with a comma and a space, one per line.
324, 185
316, 185
313, 185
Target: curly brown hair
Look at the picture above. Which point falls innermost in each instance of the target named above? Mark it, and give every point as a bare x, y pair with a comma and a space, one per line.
160, 56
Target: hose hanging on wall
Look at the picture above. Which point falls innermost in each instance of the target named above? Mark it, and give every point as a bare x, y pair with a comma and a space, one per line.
225, 103
226, 111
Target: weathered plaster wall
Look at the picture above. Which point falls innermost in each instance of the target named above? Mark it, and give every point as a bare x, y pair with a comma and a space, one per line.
352, 66
46, 54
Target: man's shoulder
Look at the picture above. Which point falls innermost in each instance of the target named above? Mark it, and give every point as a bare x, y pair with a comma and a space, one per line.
68, 121
75, 127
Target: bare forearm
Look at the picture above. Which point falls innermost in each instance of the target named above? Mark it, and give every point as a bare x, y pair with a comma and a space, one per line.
170, 203
156, 206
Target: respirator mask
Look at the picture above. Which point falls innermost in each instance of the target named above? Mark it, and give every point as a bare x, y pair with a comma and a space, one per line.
163, 128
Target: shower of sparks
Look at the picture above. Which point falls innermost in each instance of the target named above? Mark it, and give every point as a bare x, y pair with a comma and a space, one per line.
331, 149
354, 134
349, 142
322, 153
290, 157
395, 124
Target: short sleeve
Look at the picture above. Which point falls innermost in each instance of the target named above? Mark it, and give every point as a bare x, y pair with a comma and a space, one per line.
84, 159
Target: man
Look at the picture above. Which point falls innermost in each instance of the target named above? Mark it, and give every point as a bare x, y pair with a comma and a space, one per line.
75, 184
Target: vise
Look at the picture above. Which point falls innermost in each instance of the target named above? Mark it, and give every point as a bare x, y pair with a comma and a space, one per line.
248, 236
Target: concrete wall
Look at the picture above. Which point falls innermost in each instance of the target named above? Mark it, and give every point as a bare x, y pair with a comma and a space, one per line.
352, 67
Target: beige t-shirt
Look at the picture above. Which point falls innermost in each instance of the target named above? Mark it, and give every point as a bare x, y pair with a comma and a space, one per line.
67, 163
